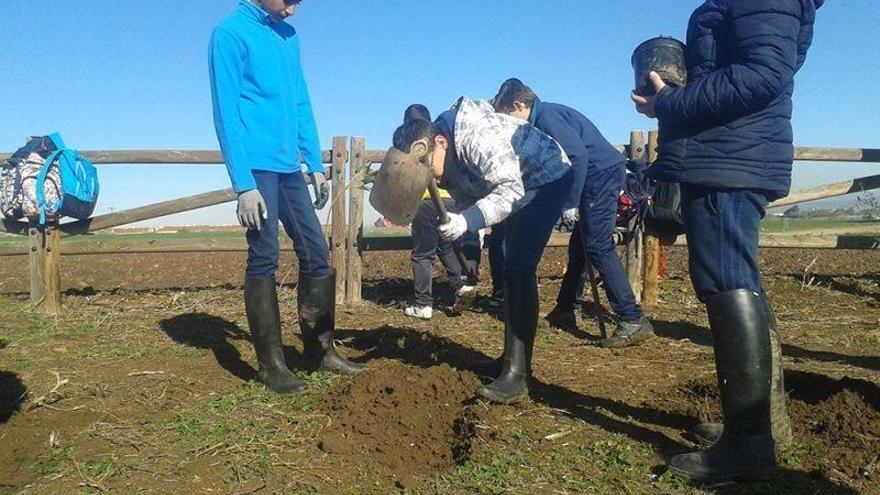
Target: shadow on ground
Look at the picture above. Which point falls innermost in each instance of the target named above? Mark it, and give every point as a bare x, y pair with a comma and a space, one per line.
683, 330
12, 393
204, 331
398, 292
850, 285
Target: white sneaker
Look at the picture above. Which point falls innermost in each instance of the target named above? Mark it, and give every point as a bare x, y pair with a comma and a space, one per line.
464, 298
420, 312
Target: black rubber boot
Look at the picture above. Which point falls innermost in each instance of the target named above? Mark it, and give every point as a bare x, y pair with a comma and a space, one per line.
488, 367
316, 304
261, 305
521, 324
740, 323
705, 434
563, 319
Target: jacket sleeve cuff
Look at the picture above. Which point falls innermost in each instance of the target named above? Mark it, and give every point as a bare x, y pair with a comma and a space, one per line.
244, 183
474, 218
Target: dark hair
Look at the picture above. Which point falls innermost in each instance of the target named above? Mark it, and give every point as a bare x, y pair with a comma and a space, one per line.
416, 111
510, 91
414, 130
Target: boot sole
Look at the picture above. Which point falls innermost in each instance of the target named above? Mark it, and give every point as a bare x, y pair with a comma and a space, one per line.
490, 395
357, 370
298, 390
708, 478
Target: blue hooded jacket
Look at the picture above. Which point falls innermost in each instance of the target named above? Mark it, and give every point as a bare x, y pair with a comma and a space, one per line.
730, 126
262, 111
585, 146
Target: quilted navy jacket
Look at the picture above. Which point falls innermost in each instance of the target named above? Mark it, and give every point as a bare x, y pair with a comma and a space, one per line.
730, 126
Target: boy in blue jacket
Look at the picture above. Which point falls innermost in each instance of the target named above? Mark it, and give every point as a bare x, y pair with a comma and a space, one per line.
264, 122
599, 172
726, 137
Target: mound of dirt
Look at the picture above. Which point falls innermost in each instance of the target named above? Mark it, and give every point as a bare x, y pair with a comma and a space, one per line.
844, 426
405, 419
839, 420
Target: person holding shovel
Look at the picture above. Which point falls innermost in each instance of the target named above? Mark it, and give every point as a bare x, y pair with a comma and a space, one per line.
498, 169
428, 246
264, 122
726, 138
600, 173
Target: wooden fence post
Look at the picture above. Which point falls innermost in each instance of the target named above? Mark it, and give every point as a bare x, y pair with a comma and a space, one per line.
355, 274
337, 215
45, 259
652, 247
634, 247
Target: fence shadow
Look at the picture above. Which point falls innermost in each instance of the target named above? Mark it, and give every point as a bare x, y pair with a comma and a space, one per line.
12, 393
205, 331
682, 330
851, 288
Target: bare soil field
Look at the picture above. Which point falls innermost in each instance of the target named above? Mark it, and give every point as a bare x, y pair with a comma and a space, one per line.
146, 384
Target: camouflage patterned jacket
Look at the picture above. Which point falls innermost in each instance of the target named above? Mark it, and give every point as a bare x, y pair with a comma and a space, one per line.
501, 162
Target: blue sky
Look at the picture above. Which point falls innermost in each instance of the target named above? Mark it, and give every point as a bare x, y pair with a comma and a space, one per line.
112, 74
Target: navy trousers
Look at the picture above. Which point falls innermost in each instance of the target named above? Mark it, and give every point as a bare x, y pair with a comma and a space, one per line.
598, 214
527, 231
495, 244
287, 199
722, 228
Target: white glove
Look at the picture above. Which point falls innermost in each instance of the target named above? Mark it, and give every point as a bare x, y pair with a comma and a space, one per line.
252, 209
454, 228
322, 190
570, 216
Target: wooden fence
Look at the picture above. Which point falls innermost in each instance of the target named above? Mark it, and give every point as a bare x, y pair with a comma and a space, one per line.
349, 165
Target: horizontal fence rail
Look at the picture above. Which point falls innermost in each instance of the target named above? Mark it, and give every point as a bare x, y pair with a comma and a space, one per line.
350, 165
155, 157
213, 157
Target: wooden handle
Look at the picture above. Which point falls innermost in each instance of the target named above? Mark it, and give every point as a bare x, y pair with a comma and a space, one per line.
434, 191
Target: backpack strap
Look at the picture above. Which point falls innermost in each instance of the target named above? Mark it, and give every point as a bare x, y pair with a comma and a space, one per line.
61, 153
57, 141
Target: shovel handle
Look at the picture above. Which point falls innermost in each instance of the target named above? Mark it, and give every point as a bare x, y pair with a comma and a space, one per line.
434, 191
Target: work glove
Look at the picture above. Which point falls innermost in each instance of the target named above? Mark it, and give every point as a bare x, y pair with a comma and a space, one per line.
454, 228
252, 209
322, 189
570, 216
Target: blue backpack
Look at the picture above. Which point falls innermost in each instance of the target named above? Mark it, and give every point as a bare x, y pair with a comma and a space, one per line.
79, 187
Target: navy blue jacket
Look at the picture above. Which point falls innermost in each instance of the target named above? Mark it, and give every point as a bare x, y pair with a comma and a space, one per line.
730, 126
585, 146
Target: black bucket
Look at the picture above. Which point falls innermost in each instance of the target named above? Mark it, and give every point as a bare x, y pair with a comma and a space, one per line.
663, 55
